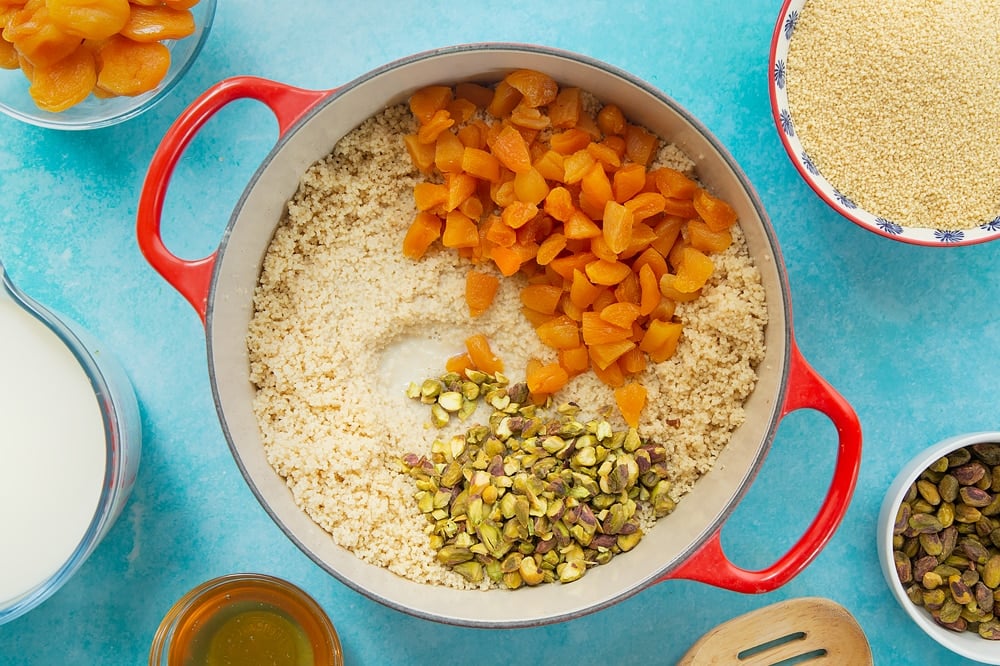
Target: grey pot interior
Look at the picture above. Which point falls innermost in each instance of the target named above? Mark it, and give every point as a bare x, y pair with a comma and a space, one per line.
250, 229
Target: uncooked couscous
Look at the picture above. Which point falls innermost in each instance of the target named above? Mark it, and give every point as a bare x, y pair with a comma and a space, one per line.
895, 104
343, 321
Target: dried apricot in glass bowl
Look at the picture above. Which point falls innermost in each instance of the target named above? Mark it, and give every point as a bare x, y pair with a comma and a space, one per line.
91, 110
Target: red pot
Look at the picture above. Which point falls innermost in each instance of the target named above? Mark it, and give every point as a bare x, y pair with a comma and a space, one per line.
685, 544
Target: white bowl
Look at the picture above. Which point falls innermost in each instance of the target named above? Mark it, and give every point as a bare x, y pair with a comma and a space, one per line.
94, 112
784, 30
967, 643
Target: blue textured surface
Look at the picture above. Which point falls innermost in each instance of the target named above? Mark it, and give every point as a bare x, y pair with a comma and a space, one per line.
909, 335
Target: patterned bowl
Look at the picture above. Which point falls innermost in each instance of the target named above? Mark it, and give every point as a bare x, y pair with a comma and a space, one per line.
784, 31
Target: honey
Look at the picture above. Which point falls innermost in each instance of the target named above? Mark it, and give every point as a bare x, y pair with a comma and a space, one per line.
243, 620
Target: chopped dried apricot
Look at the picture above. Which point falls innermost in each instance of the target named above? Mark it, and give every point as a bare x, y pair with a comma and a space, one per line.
693, 271
459, 231
423, 231
716, 213
478, 348
480, 290
545, 379
631, 399
559, 332
511, 149
564, 111
481, 164
574, 360
536, 88
617, 227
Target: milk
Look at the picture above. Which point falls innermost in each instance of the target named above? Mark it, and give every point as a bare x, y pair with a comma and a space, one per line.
52, 452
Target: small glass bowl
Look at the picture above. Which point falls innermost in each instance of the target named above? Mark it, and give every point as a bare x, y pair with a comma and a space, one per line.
967, 644
246, 618
94, 112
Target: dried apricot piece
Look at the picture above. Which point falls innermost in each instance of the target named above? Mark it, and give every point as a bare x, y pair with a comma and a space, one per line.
537, 89
480, 164
448, 152
693, 271
427, 101
545, 379
126, 67
631, 399
550, 248
564, 111
621, 314
480, 290
605, 354
89, 19
716, 213
541, 297
617, 227
459, 231
512, 150
459, 364
559, 332
154, 24
574, 360
530, 186
66, 83
640, 144
611, 120
421, 154
478, 348
596, 331
705, 239
606, 272
505, 98
424, 230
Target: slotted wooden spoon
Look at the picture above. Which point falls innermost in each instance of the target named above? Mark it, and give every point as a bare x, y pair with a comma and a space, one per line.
796, 631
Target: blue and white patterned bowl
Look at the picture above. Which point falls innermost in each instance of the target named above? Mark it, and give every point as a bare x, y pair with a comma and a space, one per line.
784, 31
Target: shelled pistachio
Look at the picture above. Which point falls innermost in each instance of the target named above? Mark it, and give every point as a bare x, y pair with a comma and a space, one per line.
533, 495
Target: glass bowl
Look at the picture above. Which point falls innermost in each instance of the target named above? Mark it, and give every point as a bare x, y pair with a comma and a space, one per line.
70, 417
968, 644
93, 112
784, 32
246, 618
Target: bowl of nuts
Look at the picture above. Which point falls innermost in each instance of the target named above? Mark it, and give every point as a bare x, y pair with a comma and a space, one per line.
76, 67
939, 543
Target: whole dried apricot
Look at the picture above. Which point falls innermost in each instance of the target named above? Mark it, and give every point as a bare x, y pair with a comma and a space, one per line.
61, 85
126, 67
90, 19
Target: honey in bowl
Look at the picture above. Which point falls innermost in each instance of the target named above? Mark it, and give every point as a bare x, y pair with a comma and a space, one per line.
246, 619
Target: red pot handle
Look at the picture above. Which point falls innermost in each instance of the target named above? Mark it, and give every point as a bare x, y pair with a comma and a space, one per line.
806, 389
192, 278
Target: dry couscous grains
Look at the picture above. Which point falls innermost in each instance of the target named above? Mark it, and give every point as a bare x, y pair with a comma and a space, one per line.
895, 104
339, 309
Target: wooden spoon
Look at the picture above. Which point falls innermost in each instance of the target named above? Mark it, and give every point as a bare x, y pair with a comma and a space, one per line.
804, 630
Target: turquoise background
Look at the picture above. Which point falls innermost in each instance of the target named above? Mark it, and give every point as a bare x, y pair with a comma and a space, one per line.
907, 334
